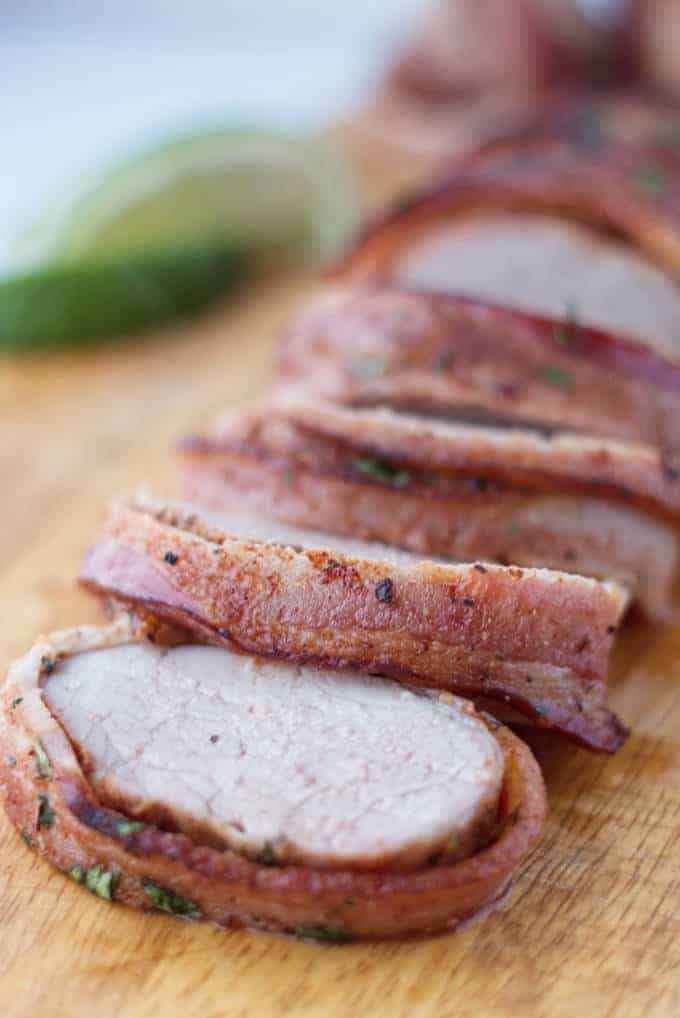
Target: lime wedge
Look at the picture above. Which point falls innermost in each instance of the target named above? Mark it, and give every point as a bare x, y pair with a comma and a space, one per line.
171, 228
73, 304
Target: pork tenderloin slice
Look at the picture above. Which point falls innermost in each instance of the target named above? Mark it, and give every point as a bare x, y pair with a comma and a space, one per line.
576, 535
461, 358
657, 35
535, 639
98, 728
568, 503
280, 759
583, 194
541, 265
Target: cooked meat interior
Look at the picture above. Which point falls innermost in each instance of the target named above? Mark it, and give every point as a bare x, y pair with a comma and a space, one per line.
536, 639
280, 760
171, 776
548, 267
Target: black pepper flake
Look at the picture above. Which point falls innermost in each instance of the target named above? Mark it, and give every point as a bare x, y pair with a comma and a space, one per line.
214, 739
468, 601
170, 558
508, 390
479, 567
583, 645
15, 703
444, 361
47, 664
670, 468
384, 591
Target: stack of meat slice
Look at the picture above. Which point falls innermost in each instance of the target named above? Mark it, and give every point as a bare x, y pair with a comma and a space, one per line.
169, 774
473, 66
462, 481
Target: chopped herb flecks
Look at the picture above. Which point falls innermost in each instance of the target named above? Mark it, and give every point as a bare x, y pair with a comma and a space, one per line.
28, 840
382, 470
15, 703
45, 811
651, 179
170, 558
11, 761
166, 900
384, 591
323, 934
565, 332
42, 761
558, 377
127, 827
266, 855
367, 367
98, 881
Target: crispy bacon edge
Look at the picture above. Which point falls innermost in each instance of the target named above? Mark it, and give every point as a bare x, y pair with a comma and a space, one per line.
449, 627
416, 350
48, 799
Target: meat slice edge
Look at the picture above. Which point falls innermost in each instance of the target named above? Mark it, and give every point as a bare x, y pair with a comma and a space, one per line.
49, 798
277, 760
532, 638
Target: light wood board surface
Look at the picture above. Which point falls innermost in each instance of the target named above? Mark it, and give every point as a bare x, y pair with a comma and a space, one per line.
592, 929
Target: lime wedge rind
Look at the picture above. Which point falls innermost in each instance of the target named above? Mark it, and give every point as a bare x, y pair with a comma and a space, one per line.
326, 212
171, 228
80, 304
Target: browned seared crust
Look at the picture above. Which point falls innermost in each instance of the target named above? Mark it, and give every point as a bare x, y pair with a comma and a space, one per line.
630, 190
452, 356
576, 504
632, 474
536, 640
58, 814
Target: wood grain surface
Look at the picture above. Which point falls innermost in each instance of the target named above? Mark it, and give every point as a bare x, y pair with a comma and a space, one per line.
592, 929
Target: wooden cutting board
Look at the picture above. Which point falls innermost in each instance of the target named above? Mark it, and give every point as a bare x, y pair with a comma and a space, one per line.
593, 926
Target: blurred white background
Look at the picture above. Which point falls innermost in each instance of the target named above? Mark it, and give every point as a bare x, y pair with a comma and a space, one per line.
81, 81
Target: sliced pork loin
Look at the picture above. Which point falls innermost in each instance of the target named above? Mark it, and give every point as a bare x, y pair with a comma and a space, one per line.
544, 225
656, 37
522, 47
192, 780
531, 639
583, 505
456, 357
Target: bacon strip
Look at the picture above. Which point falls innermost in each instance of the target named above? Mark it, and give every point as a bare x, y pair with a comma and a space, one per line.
453, 356
597, 507
536, 640
49, 799
628, 189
